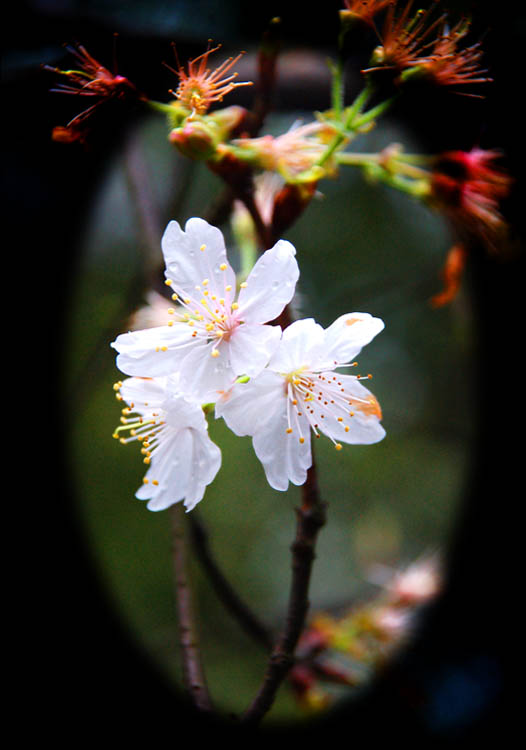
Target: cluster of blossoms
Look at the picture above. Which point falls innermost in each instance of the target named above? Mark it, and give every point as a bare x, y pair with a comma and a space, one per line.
414, 45
219, 348
347, 649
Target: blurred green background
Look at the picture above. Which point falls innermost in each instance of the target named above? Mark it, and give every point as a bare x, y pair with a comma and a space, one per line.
360, 247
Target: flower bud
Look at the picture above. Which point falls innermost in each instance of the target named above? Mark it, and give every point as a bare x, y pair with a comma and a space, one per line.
227, 121
194, 139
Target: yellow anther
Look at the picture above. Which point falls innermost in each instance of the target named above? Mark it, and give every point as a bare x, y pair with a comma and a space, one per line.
302, 440
346, 429
168, 282
186, 300
243, 285
202, 248
228, 287
214, 353
206, 293
209, 326
340, 419
294, 402
118, 397
234, 306
223, 266
164, 348
118, 385
205, 282
146, 460
175, 297
221, 301
289, 430
155, 482
170, 323
115, 435
351, 414
145, 480
170, 311
338, 446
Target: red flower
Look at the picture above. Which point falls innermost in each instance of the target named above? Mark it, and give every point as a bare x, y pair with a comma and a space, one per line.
468, 187
200, 87
91, 79
364, 10
413, 45
447, 64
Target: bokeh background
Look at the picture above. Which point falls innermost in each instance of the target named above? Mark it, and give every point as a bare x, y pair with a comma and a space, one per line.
101, 588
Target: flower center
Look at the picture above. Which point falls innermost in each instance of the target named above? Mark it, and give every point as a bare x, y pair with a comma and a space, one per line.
321, 400
209, 310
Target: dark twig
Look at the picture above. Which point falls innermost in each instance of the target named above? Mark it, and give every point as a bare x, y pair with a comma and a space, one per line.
192, 668
311, 516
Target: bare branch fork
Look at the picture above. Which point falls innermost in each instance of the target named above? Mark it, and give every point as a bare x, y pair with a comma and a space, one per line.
311, 516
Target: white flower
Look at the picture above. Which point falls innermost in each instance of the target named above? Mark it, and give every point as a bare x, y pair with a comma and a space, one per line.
299, 392
221, 338
173, 432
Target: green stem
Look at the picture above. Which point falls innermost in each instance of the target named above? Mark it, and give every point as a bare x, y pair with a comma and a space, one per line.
400, 163
351, 121
166, 109
373, 113
336, 87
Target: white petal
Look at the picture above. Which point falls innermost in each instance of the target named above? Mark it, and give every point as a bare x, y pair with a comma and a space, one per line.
188, 264
153, 351
203, 377
363, 427
206, 461
300, 344
180, 412
270, 284
345, 337
283, 457
143, 393
172, 470
248, 406
251, 346
183, 467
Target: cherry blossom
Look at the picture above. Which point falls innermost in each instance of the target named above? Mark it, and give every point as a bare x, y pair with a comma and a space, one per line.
300, 392
215, 336
173, 433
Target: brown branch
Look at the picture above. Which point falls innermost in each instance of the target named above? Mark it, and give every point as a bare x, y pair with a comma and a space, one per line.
311, 516
192, 668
